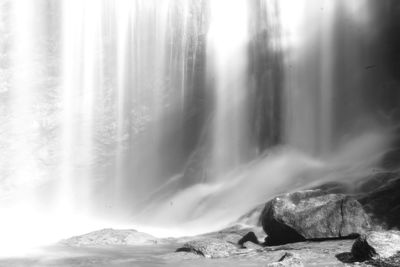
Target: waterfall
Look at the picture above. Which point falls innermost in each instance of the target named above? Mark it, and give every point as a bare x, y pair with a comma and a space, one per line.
123, 91
175, 111
228, 40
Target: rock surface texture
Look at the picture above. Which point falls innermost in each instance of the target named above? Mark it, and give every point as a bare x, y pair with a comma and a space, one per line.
209, 248
106, 237
312, 215
376, 245
288, 260
380, 196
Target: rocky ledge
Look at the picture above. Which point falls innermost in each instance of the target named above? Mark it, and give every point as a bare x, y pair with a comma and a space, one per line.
305, 228
314, 227
111, 237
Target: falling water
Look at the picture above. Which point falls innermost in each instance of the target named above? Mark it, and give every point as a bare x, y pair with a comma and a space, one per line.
227, 48
309, 123
124, 93
313, 145
175, 111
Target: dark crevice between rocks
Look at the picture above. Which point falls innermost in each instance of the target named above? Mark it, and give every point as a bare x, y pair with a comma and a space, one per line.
251, 237
282, 247
190, 250
348, 237
342, 217
291, 236
285, 256
280, 234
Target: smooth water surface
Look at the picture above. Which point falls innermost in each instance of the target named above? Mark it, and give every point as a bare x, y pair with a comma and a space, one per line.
140, 256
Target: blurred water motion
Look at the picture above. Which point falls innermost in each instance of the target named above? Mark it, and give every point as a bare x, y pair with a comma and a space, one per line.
103, 101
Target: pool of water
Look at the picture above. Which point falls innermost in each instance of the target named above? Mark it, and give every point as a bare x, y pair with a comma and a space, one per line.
140, 256
312, 254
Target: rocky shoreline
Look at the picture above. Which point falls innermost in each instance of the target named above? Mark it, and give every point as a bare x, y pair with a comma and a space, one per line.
316, 227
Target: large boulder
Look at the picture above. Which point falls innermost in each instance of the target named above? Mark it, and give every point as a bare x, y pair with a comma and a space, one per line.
376, 245
312, 215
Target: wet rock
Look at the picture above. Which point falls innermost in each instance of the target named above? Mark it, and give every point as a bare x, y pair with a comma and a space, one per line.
250, 237
393, 261
288, 259
381, 198
110, 237
376, 245
209, 248
312, 215
231, 234
375, 181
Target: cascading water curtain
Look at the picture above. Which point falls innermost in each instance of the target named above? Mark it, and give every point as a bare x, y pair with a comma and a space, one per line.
228, 40
93, 96
125, 74
103, 101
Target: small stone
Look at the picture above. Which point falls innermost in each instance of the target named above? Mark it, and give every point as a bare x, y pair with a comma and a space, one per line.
288, 259
376, 244
249, 237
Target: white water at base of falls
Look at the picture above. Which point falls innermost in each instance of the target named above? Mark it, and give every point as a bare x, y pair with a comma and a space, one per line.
214, 205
